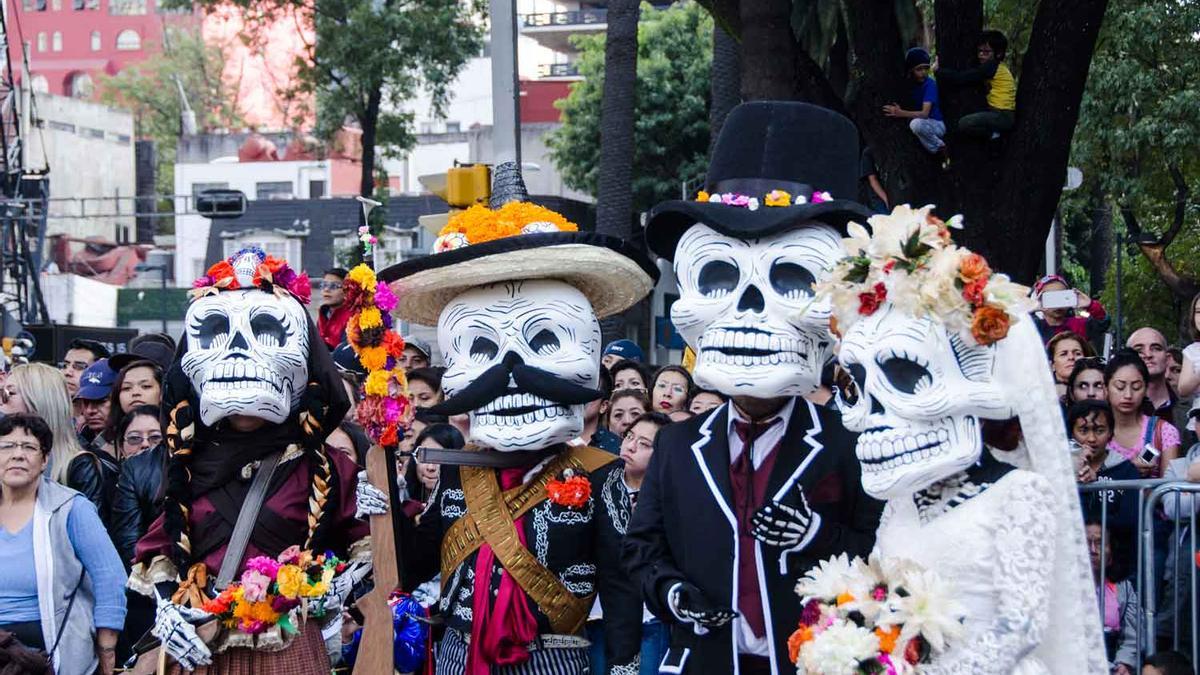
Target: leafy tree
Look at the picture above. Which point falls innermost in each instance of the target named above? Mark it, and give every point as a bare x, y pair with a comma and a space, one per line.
151, 89
671, 130
368, 57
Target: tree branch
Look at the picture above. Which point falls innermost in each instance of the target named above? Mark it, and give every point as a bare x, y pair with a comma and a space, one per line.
1181, 200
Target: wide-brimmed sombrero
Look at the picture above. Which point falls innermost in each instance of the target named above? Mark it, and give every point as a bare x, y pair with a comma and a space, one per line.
513, 239
775, 165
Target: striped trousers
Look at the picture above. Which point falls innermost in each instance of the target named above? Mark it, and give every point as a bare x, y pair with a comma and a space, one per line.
453, 649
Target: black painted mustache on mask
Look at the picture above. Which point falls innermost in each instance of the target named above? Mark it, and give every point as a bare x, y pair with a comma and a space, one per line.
493, 384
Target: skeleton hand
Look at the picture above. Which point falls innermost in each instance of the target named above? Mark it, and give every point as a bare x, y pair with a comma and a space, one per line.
173, 626
690, 606
787, 527
340, 587
371, 501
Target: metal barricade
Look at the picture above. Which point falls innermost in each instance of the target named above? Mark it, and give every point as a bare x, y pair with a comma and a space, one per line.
1171, 497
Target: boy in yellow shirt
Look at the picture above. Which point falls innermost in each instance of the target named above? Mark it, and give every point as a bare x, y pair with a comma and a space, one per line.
1001, 88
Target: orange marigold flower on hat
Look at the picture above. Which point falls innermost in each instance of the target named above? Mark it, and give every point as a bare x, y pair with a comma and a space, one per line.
481, 224
989, 324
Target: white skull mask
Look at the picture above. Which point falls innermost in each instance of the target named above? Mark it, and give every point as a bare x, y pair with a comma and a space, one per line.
921, 394
544, 324
747, 308
247, 354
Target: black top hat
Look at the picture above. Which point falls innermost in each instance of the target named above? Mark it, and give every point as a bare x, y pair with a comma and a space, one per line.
764, 146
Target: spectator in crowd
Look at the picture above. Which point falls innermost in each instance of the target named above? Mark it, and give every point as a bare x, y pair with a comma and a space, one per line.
594, 434
137, 384
95, 403
870, 187
352, 373
624, 408
1151, 345
80, 355
69, 599
139, 490
437, 436
425, 387
671, 389
1167, 663
158, 348
924, 114
350, 439
1091, 323
629, 375
619, 350
1000, 115
38, 389
1125, 377
1064, 350
1173, 542
1119, 601
1090, 424
1174, 367
1086, 381
704, 400
416, 354
334, 312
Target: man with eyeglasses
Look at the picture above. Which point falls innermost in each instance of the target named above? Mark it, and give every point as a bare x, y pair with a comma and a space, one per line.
80, 355
334, 312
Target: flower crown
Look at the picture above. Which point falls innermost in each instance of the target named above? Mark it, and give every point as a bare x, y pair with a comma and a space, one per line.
479, 224
385, 409
251, 267
775, 197
909, 260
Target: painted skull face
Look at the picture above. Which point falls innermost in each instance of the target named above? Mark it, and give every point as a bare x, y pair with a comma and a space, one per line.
747, 308
921, 395
543, 324
247, 355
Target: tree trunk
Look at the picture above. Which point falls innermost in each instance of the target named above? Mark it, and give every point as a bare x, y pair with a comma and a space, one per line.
369, 123
769, 51
726, 86
614, 199
1102, 240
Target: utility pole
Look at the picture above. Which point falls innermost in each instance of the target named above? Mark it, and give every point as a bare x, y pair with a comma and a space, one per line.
506, 90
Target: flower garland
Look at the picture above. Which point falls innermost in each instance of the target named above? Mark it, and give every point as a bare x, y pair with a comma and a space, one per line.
479, 224
909, 260
272, 275
874, 617
271, 589
775, 197
385, 408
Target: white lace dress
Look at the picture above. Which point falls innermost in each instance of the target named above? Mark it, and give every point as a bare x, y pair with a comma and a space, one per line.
997, 546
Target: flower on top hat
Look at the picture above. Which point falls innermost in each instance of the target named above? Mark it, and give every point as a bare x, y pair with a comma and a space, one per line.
251, 267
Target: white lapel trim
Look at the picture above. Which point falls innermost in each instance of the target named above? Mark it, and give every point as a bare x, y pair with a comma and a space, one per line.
815, 447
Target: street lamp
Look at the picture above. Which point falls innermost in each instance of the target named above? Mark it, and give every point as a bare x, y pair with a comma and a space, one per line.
1122, 241
162, 278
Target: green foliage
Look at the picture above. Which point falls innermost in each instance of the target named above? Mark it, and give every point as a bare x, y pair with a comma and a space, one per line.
671, 108
151, 90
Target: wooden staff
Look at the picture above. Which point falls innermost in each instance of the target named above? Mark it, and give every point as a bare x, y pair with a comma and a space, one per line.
375, 647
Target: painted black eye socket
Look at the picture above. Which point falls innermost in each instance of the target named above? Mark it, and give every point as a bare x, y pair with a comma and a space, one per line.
484, 349
904, 375
791, 281
718, 277
268, 330
212, 327
545, 342
858, 374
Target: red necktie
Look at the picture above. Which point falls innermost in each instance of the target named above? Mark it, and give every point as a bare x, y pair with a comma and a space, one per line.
745, 503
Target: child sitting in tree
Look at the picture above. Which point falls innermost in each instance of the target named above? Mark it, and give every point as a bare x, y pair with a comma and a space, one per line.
925, 116
1001, 87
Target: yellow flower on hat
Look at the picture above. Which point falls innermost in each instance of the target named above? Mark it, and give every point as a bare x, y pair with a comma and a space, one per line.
778, 198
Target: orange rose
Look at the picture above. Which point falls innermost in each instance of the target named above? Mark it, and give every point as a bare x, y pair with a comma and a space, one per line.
973, 291
989, 324
974, 268
796, 640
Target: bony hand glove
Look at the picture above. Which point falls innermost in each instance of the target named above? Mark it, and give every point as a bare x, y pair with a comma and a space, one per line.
174, 626
340, 588
370, 500
783, 526
690, 606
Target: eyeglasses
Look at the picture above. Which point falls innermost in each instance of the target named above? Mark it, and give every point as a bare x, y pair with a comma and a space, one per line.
328, 285
78, 366
138, 439
11, 447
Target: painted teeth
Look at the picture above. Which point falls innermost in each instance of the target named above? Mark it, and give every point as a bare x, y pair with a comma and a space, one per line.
884, 450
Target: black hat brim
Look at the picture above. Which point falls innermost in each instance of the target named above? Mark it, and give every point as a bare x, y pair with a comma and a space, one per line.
669, 220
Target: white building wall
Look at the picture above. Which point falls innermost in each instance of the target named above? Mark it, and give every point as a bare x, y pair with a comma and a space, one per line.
76, 300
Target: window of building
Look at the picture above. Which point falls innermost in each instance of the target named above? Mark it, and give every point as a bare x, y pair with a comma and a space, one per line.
128, 40
274, 190
453, 127
80, 85
95, 40
275, 245
56, 41
41, 42
34, 5
85, 4
316, 189
127, 7
56, 5
426, 127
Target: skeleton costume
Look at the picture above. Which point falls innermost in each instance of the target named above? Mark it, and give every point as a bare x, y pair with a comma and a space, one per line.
734, 511
937, 344
527, 541
249, 350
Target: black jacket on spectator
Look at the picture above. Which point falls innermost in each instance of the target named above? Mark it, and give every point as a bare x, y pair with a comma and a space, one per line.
137, 500
684, 530
94, 474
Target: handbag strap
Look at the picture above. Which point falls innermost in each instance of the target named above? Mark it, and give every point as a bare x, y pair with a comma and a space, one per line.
67, 614
247, 517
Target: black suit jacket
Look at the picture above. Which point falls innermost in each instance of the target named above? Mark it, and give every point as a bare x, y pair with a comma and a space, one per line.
684, 527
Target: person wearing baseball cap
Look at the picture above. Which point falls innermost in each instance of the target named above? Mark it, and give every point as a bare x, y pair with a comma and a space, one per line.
621, 349
93, 397
417, 353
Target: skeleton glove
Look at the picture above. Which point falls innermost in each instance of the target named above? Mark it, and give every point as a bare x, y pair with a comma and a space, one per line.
173, 625
690, 606
370, 500
790, 528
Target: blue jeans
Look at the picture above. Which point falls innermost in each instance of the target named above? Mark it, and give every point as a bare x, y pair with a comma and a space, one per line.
656, 639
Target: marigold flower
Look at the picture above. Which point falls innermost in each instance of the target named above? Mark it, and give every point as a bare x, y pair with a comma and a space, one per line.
572, 492
288, 580
796, 640
369, 318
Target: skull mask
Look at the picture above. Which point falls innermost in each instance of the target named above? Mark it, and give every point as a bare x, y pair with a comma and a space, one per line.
247, 354
543, 324
746, 307
921, 394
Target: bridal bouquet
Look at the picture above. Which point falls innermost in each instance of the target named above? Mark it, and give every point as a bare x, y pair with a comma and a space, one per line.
878, 617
